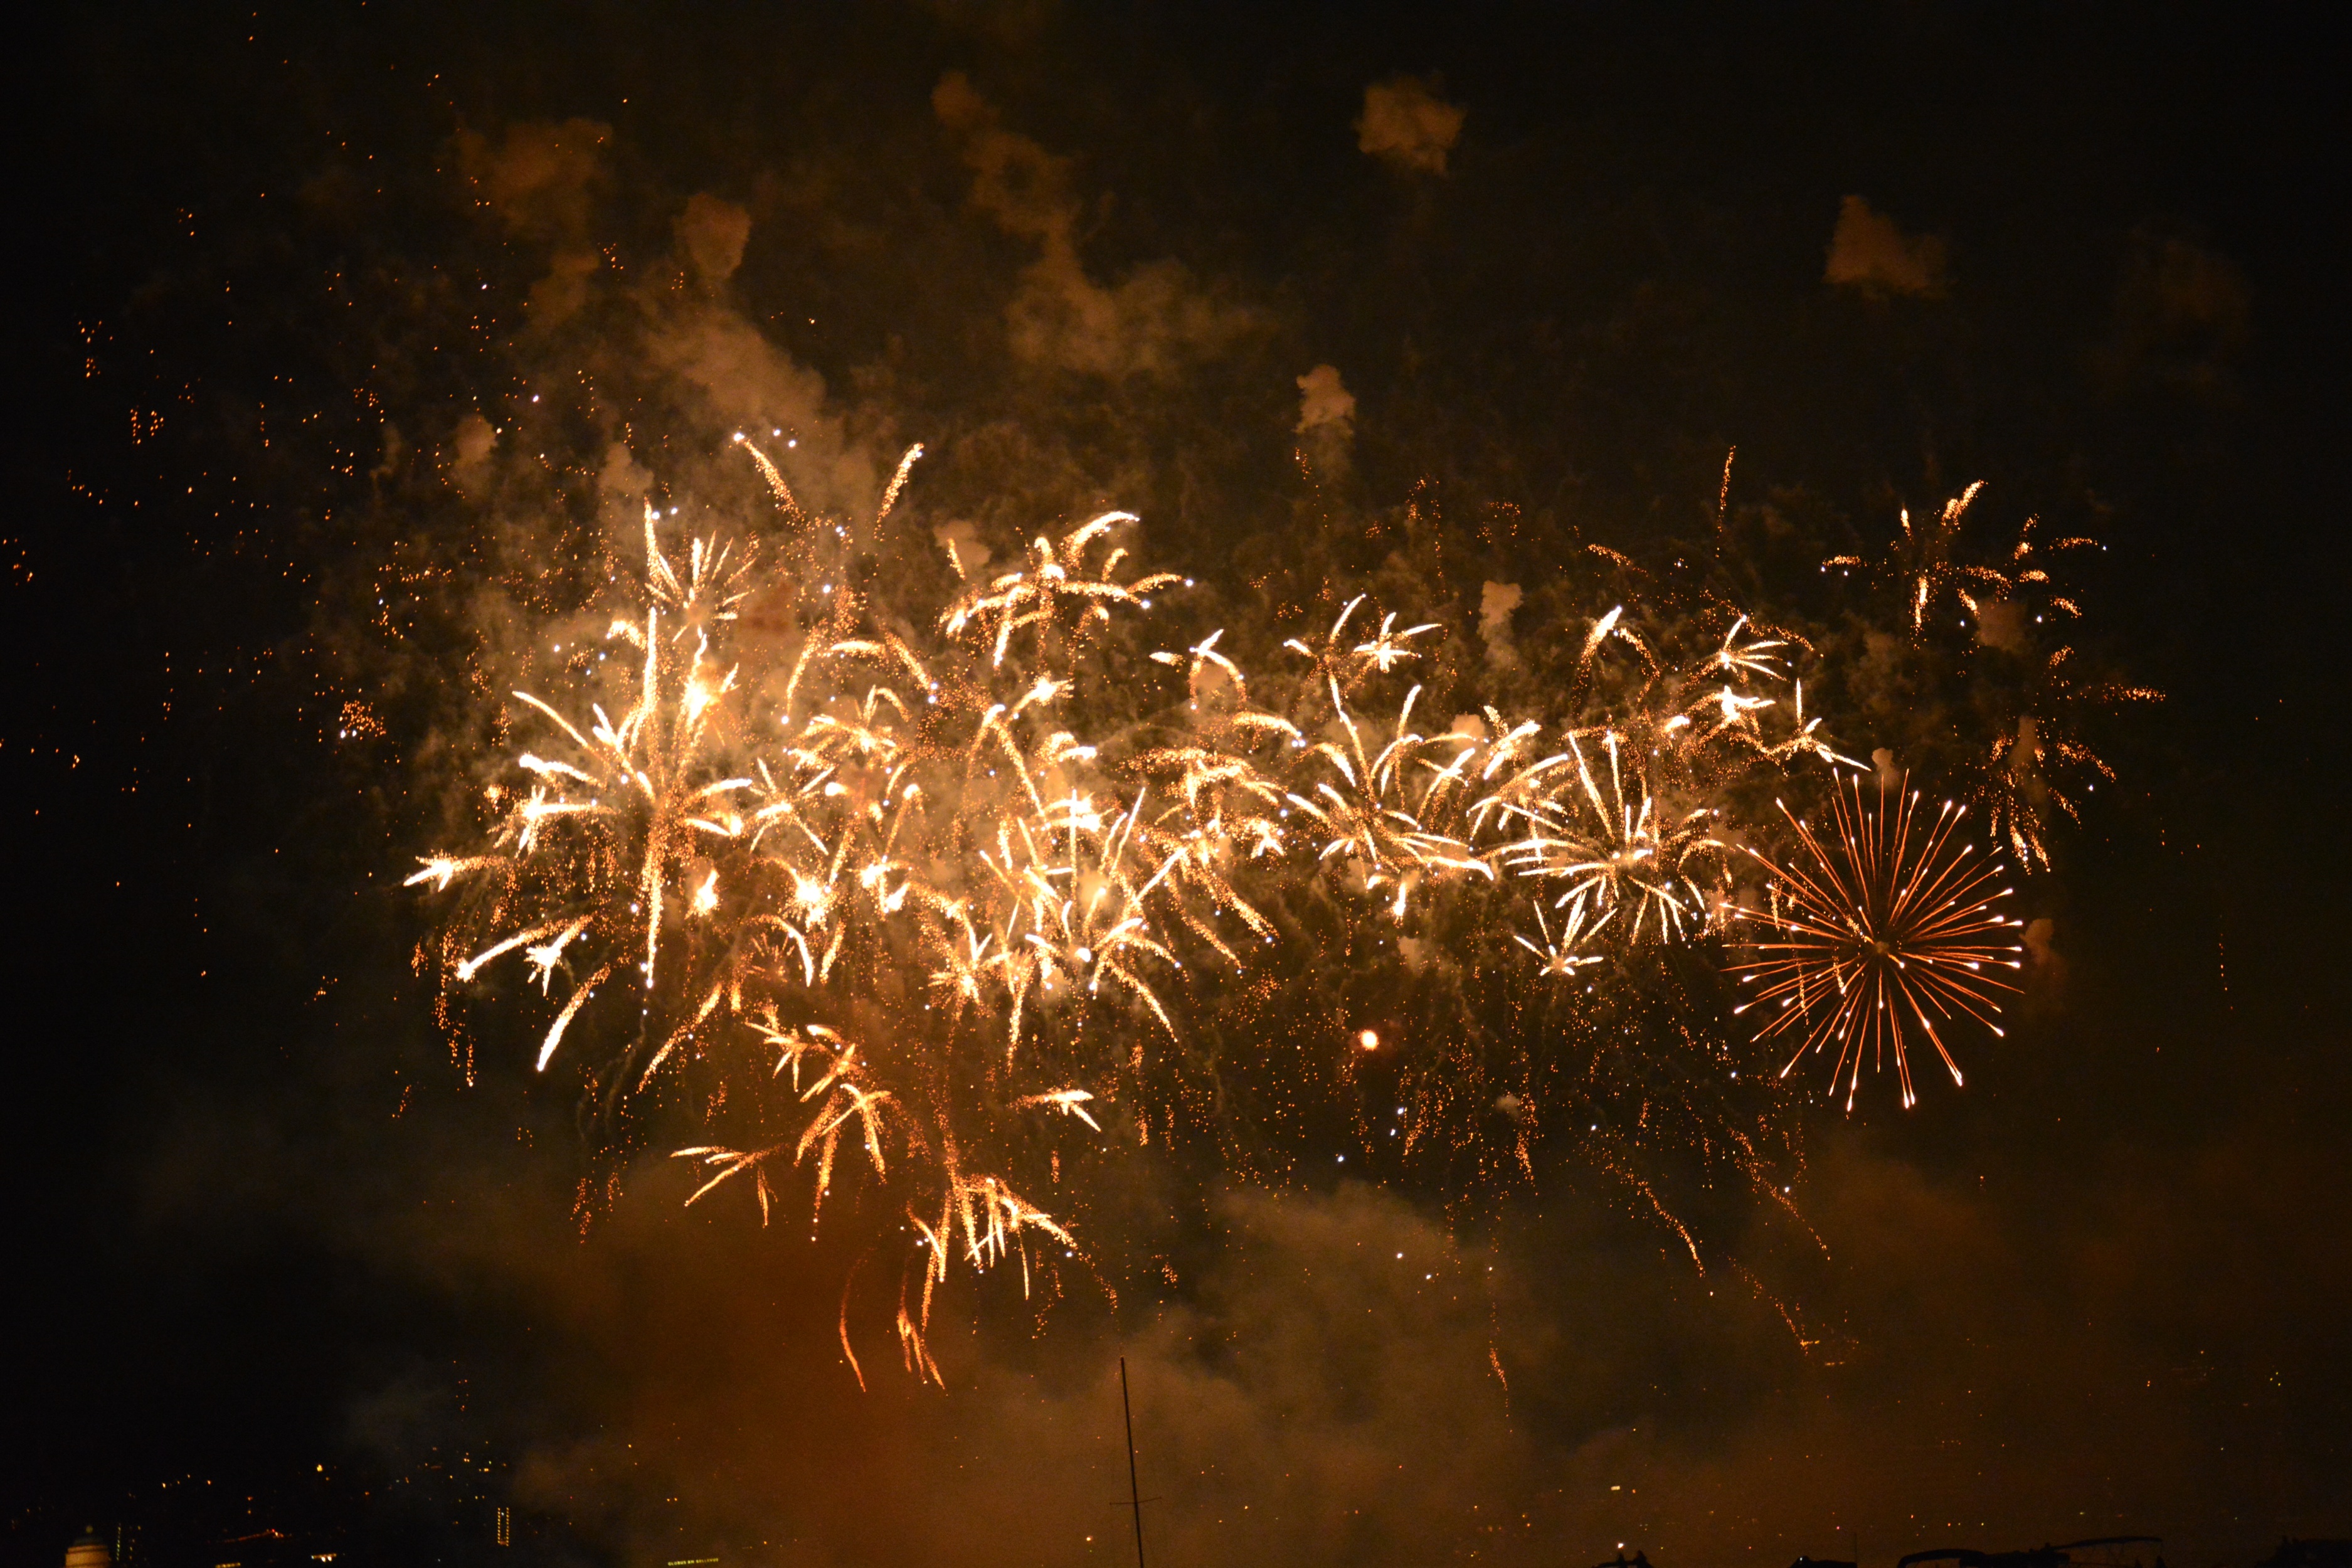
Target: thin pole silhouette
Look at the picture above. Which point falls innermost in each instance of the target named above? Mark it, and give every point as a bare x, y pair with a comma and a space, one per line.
1134, 1492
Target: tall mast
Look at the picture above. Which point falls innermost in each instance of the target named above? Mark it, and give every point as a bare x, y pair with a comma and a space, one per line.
1134, 1492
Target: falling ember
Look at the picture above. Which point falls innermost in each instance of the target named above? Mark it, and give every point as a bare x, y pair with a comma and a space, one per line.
1885, 931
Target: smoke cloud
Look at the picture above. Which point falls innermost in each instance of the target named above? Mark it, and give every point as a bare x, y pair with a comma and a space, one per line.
1407, 126
2182, 315
1869, 253
1152, 322
713, 232
1496, 602
1326, 419
1346, 1377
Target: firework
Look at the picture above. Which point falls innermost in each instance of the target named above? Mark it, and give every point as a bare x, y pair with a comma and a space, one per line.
2037, 767
2035, 761
881, 820
1621, 851
895, 878
1889, 930
918, 906
1924, 563
1921, 561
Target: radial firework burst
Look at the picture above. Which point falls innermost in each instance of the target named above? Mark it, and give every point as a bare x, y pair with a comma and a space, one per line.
1890, 927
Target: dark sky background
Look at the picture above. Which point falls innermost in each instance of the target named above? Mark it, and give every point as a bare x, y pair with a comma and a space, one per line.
259, 1222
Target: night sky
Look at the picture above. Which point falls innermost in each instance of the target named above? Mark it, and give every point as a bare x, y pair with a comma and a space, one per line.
289, 270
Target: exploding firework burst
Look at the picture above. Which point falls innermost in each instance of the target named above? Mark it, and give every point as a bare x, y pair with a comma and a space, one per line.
1925, 563
895, 878
1922, 561
853, 854
924, 907
2037, 767
1995, 619
1888, 930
